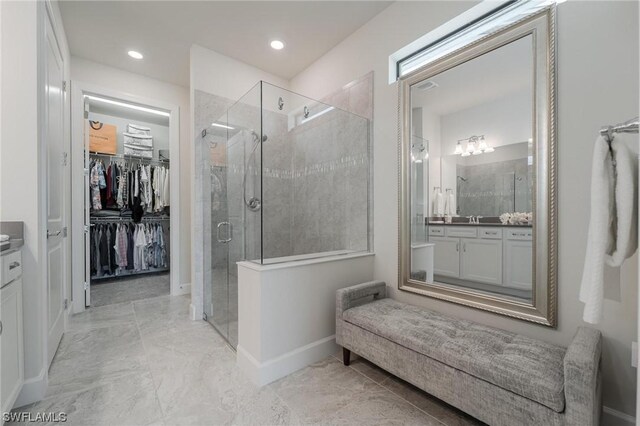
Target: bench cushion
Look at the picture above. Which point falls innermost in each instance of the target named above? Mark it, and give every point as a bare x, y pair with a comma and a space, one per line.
527, 367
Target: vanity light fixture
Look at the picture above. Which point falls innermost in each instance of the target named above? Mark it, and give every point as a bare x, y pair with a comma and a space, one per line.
484, 147
476, 145
458, 150
277, 45
134, 54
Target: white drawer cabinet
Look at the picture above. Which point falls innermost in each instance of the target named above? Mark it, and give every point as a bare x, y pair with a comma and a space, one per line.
481, 260
11, 337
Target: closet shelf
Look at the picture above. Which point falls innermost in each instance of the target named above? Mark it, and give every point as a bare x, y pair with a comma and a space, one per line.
127, 274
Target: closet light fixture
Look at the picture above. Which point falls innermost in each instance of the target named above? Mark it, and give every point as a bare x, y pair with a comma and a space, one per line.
224, 126
135, 55
277, 45
126, 105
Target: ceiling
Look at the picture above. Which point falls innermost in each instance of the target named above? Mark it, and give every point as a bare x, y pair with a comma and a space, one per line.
499, 73
163, 31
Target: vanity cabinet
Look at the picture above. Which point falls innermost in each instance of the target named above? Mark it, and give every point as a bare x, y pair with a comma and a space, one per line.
11, 338
488, 255
518, 259
481, 260
446, 256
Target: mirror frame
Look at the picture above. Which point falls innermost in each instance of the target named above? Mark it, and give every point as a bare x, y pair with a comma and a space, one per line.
543, 309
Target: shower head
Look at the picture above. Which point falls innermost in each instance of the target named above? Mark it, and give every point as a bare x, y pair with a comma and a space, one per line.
462, 179
256, 137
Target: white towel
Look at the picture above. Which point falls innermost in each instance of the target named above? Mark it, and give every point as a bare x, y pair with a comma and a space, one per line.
612, 233
438, 204
450, 204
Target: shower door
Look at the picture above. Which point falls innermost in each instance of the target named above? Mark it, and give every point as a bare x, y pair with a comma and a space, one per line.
232, 232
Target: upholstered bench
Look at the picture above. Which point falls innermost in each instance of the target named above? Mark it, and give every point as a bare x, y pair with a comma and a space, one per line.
498, 377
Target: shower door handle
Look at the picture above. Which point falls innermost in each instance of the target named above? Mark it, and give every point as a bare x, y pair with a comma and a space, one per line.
220, 225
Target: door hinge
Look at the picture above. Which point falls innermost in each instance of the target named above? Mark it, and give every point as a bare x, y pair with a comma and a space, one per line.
66, 304
64, 86
65, 158
64, 232
86, 285
204, 316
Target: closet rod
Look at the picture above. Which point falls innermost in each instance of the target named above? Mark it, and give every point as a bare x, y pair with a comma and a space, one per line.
629, 126
131, 157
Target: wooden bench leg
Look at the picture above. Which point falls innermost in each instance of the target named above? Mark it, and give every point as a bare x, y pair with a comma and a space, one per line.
346, 356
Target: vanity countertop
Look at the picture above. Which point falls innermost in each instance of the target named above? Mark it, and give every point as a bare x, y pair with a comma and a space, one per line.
478, 224
15, 231
14, 245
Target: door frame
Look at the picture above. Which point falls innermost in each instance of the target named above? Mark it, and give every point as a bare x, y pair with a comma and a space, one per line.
78, 90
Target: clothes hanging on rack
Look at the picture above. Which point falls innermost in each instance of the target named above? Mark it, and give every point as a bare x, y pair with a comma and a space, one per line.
125, 248
129, 184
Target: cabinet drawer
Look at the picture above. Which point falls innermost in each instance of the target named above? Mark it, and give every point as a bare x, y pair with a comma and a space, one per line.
462, 231
11, 267
519, 234
436, 230
491, 233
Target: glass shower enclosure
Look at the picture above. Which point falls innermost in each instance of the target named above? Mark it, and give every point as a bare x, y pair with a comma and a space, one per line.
289, 179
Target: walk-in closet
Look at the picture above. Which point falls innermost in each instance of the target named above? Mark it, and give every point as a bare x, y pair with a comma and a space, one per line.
128, 201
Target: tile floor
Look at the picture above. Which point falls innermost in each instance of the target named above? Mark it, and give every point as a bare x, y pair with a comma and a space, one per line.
112, 291
147, 363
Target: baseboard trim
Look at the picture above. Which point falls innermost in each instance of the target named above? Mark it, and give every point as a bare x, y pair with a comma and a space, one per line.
33, 390
269, 371
611, 417
182, 289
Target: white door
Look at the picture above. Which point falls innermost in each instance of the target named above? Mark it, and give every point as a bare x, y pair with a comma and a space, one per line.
57, 195
446, 256
481, 260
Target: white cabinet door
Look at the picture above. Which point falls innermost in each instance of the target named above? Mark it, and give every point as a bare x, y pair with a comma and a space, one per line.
518, 264
11, 346
446, 256
481, 260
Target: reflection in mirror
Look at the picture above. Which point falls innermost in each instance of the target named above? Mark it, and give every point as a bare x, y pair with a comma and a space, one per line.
473, 185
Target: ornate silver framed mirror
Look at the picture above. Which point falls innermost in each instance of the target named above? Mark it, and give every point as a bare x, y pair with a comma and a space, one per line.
477, 154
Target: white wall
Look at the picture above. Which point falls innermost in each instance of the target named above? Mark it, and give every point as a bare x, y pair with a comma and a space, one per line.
220, 75
99, 75
591, 92
19, 194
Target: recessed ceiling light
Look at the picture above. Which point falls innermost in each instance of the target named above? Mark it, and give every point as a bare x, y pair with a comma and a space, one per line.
277, 44
135, 55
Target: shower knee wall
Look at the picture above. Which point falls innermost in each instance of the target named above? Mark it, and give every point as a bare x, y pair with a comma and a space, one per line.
287, 312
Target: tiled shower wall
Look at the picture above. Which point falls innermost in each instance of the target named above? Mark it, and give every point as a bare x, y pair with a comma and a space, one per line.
494, 188
316, 184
